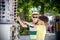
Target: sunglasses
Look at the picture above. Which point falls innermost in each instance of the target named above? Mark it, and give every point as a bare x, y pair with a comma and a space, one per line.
3, 12
14, 13
3, 5
3, 2
14, 18
3, 8
3, 16
35, 17
11, 15
15, 10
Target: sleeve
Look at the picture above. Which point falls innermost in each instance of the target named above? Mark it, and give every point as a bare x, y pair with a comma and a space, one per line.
28, 26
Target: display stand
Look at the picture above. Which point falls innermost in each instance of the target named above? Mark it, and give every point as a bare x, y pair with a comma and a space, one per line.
8, 27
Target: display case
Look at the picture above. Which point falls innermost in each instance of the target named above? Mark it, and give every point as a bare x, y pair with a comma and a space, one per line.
8, 26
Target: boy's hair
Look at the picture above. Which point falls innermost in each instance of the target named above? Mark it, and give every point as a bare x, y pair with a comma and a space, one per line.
43, 18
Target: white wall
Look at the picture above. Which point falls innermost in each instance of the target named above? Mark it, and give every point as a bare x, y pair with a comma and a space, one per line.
5, 33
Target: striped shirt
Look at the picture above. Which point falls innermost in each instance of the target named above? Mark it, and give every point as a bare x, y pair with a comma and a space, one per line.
32, 32
37, 33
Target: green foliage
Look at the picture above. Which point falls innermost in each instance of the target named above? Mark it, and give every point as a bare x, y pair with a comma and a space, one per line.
43, 6
24, 31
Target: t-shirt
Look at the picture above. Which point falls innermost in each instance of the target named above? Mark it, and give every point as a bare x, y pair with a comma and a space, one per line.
41, 31
38, 32
32, 31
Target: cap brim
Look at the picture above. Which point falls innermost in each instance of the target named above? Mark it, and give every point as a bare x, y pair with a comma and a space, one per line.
35, 13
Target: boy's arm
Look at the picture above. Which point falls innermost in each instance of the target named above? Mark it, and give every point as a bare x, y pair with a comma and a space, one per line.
20, 21
31, 24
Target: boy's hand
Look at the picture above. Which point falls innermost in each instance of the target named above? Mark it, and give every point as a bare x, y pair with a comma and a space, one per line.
18, 18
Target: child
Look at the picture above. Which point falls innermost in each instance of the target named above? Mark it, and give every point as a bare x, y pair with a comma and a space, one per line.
41, 29
30, 25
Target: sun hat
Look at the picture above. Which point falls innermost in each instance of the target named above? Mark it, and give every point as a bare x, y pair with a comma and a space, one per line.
35, 13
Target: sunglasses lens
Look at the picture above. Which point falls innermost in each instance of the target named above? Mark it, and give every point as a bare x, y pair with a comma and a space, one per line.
3, 5
14, 13
35, 17
3, 16
3, 8
3, 2
3, 13
15, 19
14, 10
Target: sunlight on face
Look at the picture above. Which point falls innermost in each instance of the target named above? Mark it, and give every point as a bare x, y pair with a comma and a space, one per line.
35, 18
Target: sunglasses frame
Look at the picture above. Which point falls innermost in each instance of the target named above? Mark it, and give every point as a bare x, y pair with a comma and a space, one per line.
35, 17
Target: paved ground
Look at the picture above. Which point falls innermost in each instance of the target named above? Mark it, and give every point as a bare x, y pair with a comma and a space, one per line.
49, 36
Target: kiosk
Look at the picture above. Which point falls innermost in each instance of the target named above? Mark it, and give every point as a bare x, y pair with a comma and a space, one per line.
8, 26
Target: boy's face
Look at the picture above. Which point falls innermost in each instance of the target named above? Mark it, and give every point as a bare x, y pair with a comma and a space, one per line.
35, 18
41, 22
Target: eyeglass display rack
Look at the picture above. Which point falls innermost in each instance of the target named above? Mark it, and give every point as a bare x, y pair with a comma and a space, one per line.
8, 26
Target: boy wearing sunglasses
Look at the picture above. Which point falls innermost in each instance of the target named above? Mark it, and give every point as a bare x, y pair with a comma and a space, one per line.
31, 25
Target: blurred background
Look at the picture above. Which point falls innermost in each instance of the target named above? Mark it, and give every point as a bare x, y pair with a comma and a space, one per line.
10, 9
49, 8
